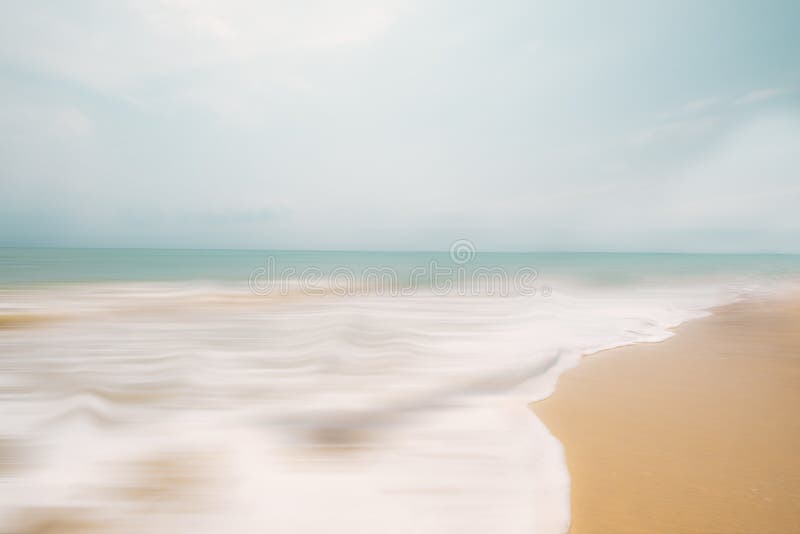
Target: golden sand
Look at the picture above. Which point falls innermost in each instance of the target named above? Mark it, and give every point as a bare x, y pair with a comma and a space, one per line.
697, 434
19, 320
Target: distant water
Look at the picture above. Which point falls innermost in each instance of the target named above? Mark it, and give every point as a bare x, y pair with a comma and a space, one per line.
169, 390
234, 266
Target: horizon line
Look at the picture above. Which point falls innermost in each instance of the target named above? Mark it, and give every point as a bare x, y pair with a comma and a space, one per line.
404, 251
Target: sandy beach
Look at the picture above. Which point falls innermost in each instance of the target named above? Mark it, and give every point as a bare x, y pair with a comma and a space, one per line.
698, 433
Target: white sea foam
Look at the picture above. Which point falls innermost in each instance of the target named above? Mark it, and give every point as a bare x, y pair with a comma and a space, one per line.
169, 407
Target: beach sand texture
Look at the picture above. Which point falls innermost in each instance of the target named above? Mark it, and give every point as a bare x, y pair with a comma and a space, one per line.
699, 433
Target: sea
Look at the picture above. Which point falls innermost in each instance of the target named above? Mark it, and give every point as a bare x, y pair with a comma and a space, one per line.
252, 391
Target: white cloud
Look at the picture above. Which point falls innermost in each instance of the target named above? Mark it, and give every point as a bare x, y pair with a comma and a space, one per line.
71, 122
677, 130
119, 50
55, 120
762, 94
692, 107
750, 181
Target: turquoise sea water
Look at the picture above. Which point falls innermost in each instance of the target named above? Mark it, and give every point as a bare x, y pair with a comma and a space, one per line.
37, 265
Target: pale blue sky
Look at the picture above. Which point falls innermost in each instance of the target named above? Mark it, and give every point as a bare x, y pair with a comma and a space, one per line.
401, 125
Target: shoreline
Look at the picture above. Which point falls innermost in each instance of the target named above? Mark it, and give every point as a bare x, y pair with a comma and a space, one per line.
696, 433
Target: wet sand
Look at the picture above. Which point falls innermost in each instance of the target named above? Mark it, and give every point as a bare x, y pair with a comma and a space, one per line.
696, 434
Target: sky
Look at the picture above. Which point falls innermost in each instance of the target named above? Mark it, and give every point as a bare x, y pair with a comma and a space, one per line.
520, 125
